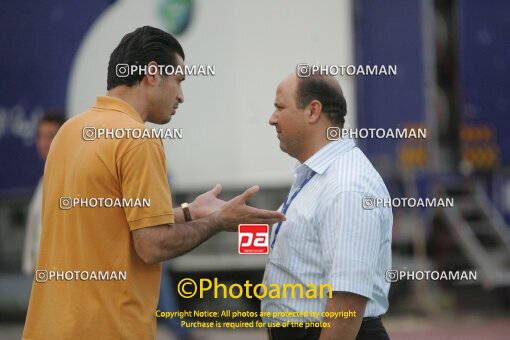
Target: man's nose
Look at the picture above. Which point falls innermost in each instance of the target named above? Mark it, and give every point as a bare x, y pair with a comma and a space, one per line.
180, 97
272, 119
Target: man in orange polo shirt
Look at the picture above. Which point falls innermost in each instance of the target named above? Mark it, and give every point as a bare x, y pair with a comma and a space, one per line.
108, 220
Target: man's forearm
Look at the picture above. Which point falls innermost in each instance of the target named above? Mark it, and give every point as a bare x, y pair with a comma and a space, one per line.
159, 243
180, 238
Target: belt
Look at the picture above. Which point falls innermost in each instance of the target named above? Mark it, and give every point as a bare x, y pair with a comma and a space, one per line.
295, 333
369, 318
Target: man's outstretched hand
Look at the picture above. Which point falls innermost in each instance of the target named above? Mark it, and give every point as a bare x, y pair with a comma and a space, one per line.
207, 203
234, 212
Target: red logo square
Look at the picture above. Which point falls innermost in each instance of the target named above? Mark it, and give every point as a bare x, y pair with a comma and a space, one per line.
253, 239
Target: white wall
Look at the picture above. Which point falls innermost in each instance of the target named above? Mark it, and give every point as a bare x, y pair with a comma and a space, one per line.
253, 44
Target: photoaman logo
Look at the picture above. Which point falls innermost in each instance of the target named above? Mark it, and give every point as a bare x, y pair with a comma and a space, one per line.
253, 239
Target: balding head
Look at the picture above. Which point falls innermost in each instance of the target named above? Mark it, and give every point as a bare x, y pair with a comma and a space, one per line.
304, 109
288, 87
327, 91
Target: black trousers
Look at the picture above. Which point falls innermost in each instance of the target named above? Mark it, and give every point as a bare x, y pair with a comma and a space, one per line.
370, 329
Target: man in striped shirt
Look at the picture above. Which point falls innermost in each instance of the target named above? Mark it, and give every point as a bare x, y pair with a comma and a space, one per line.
328, 239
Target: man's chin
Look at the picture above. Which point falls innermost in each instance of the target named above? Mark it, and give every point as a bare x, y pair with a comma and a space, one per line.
282, 147
161, 122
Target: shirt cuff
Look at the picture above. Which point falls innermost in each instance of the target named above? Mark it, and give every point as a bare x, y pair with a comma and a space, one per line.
361, 287
151, 221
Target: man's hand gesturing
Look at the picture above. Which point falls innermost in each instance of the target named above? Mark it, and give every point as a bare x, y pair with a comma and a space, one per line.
207, 203
235, 212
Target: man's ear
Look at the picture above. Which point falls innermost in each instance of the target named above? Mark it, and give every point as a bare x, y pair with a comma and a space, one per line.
151, 78
315, 109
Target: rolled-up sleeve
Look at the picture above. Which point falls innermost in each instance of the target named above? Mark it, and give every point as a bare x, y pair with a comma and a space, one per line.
350, 236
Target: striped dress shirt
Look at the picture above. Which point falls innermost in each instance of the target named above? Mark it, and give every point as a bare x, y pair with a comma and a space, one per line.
328, 238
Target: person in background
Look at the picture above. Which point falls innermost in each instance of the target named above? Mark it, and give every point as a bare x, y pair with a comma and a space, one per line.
46, 130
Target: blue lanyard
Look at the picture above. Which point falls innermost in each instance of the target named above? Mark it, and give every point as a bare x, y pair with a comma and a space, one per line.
287, 203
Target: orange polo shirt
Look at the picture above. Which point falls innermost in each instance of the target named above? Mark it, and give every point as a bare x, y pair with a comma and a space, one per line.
90, 283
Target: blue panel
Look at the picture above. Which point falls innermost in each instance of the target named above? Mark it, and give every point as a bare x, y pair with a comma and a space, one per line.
485, 67
389, 32
39, 40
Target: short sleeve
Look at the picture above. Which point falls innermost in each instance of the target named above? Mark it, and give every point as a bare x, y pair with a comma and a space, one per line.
351, 240
143, 176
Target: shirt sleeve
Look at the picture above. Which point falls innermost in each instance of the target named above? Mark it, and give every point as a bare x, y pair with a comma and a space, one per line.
143, 176
351, 240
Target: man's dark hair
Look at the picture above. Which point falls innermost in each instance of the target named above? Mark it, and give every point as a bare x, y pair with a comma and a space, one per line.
327, 91
56, 117
140, 47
